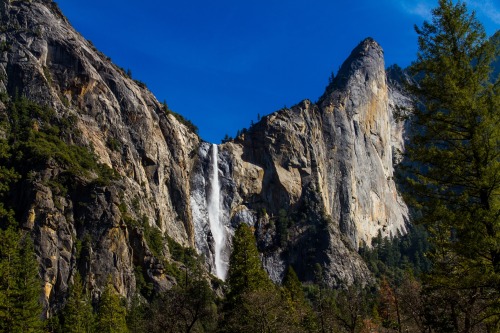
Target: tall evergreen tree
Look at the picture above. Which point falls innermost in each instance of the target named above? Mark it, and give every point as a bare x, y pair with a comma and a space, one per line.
28, 306
253, 303
78, 314
454, 164
245, 268
20, 309
111, 314
137, 316
7, 177
299, 308
293, 286
9, 260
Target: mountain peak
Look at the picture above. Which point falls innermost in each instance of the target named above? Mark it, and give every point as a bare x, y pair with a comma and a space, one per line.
368, 47
368, 42
367, 56
365, 62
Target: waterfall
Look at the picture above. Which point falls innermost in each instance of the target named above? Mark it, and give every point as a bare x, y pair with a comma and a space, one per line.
216, 227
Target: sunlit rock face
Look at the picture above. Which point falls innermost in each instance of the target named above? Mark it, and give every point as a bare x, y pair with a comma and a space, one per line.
326, 168
360, 128
337, 158
337, 153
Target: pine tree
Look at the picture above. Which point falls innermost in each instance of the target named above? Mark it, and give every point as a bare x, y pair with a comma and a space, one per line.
9, 260
298, 307
137, 316
245, 268
111, 315
20, 309
253, 303
77, 313
7, 177
454, 164
28, 307
293, 286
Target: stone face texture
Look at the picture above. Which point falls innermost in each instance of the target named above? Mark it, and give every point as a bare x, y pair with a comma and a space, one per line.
50, 63
335, 158
342, 150
357, 125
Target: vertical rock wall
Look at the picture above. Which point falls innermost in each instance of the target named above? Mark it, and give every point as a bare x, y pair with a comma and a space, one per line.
94, 229
338, 152
327, 166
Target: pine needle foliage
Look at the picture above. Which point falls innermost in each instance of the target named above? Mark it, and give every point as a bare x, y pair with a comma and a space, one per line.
453, 164
245, 268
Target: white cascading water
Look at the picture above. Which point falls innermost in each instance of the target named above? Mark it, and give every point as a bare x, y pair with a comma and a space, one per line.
216, 227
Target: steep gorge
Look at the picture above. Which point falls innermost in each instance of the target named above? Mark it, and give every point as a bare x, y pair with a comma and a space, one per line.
314, 180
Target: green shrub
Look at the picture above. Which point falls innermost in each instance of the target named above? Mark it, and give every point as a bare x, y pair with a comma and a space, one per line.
186, 255
154, 239
113, 144
145, 288
35, 136
188, 123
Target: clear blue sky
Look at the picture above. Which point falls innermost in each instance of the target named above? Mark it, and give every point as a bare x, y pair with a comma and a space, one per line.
220, 63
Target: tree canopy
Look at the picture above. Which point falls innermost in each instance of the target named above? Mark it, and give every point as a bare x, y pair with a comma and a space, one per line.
454, 162
245, 268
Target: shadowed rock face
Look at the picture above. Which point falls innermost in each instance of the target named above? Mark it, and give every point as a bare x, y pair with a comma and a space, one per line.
327, 166
50, 63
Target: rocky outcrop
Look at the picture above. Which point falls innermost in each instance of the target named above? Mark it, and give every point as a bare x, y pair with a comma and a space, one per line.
357, 122
45, 60
332, 161
314, 181
343, 146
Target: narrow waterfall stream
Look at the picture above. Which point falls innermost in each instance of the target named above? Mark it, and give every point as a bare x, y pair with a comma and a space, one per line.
216, 227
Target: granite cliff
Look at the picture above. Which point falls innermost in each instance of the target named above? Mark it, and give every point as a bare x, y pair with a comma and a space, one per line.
45, 60
315, 180
324, 169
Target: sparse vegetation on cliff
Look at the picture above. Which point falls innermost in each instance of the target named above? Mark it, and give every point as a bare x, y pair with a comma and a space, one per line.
305, 173
188, 123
